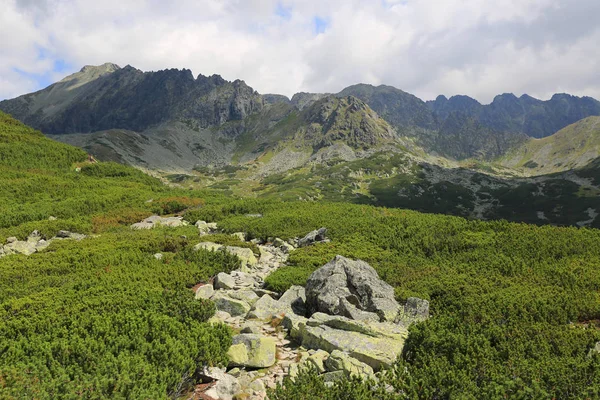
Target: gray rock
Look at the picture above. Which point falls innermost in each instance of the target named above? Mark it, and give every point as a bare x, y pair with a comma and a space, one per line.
142, 225
11, 239
231, 306
34, 237
158, 256
246, 295
294, 298
52, 218
254, 351
294, 324
224, 281
210, 246
331, 377
313, 237
203, 228
205, 292
227, 385
251, 328
414, 310
21, 247
265, 308
340, 361
356, 282
377, 352
246, 256
239, 235
41, 245
318, 360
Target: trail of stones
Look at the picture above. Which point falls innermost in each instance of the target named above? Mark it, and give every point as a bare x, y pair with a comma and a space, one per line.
345, 323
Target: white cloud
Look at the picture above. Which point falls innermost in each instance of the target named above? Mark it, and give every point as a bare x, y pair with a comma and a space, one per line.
427, 47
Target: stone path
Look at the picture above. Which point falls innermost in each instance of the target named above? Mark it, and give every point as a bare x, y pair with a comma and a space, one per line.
279, 334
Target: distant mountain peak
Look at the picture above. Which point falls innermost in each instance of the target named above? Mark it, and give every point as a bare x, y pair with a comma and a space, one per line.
106, 68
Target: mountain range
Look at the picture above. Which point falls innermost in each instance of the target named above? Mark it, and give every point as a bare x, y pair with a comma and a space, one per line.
517, 158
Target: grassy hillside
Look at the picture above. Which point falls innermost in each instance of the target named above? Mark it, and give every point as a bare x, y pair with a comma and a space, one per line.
515, 307
572, 147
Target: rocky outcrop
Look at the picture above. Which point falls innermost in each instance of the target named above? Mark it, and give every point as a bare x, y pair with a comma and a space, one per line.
156, 220
35, 242
313, 237
252, 350
350, 288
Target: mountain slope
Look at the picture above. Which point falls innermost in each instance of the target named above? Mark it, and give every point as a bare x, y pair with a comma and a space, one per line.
507, 113
109, 97
570, 148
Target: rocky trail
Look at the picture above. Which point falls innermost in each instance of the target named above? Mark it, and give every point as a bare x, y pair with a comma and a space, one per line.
346, 321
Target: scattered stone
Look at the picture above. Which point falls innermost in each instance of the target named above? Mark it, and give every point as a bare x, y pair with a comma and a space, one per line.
227, 385
34, 237
11, 239
203, 228
52, 218
239, 235
253, 215
377, 352
254, 351
245, 295
355, 281
205, 292
318, 359
251, 328
210, 246
265, 308
415, 310
232, 306
245, 255
313, 237
332, 377
224, 281
156, 220
340, 361
294, 299
158, 256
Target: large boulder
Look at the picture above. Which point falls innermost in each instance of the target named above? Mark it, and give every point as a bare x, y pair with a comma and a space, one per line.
226, 387
313, 237
377, 352
265, 308
253, 351
340, 361
415, 310
224, 281
341, 281
234, 307
245, 255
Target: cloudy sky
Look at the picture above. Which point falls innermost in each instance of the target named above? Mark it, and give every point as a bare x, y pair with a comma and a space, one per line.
427, 47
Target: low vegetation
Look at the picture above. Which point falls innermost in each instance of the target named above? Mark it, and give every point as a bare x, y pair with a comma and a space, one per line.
515, 307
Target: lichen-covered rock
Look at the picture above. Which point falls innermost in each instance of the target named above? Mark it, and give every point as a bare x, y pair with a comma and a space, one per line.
354, 281
294, 299
340, 361
240, 235
232, 306
377, 352
205, 292
253, 351
318, 360
265, 308
227, 386
245, 255
313, 237
210, 246
415, 310
224, 281
246, 295
203, 228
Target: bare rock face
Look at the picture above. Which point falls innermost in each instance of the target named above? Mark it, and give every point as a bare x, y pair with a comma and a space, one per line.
344, 286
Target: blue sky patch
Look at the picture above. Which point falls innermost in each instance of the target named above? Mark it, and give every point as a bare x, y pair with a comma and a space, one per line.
320, 24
